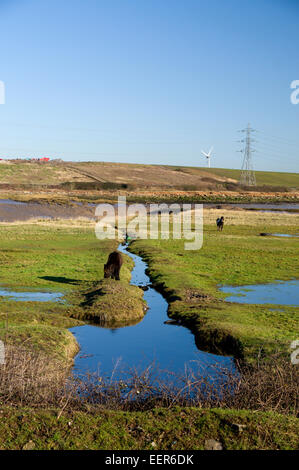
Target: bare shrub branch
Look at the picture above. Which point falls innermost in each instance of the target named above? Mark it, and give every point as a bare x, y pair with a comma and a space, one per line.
31, 379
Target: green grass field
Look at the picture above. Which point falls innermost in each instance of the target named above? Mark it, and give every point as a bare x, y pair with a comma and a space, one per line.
67, 259
268, 178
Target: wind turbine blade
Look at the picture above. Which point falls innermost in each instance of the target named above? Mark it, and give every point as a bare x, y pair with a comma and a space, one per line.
211, 149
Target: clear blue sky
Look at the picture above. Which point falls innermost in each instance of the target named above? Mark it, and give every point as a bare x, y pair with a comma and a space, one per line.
150, 81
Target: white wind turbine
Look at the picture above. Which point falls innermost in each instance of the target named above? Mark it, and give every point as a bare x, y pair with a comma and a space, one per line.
208, 156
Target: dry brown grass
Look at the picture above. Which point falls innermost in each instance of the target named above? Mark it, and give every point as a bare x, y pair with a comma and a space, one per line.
232, 217
272, 385
80, 222
30, 379
251, 218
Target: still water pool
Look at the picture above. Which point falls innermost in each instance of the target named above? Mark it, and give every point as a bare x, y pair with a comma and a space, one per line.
33, 296
279, 293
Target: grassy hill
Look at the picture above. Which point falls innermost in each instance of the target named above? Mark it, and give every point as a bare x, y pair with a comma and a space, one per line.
273, 178
136, 176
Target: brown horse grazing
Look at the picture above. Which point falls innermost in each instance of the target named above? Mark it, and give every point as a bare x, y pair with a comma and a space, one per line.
220, 223
113, 265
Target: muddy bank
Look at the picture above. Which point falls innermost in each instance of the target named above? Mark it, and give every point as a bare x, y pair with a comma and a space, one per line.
66, 195
11, 211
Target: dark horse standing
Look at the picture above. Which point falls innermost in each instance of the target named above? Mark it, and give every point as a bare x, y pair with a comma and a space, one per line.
113, 265
220, 223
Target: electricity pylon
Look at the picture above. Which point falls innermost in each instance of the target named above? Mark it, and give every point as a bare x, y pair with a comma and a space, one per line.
247, 174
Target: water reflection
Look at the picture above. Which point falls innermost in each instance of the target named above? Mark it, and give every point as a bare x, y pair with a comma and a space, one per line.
170, 347
31, 296
279, 293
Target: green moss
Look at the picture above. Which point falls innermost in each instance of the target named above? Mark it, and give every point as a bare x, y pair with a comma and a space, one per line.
111, 303
55, 342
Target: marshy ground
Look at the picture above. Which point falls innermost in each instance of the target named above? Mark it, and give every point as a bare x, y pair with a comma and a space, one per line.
64, 256
237, 256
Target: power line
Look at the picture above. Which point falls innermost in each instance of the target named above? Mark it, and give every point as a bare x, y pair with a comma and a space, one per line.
277, 138
267, 147
275, 145
278, 153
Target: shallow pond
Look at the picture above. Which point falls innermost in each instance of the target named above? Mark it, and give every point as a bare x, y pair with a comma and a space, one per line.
31, 296
169, 347
282, 206
11, 201
279, 293
287, 235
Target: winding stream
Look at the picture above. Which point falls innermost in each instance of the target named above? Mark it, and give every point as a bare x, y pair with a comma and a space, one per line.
170, 347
